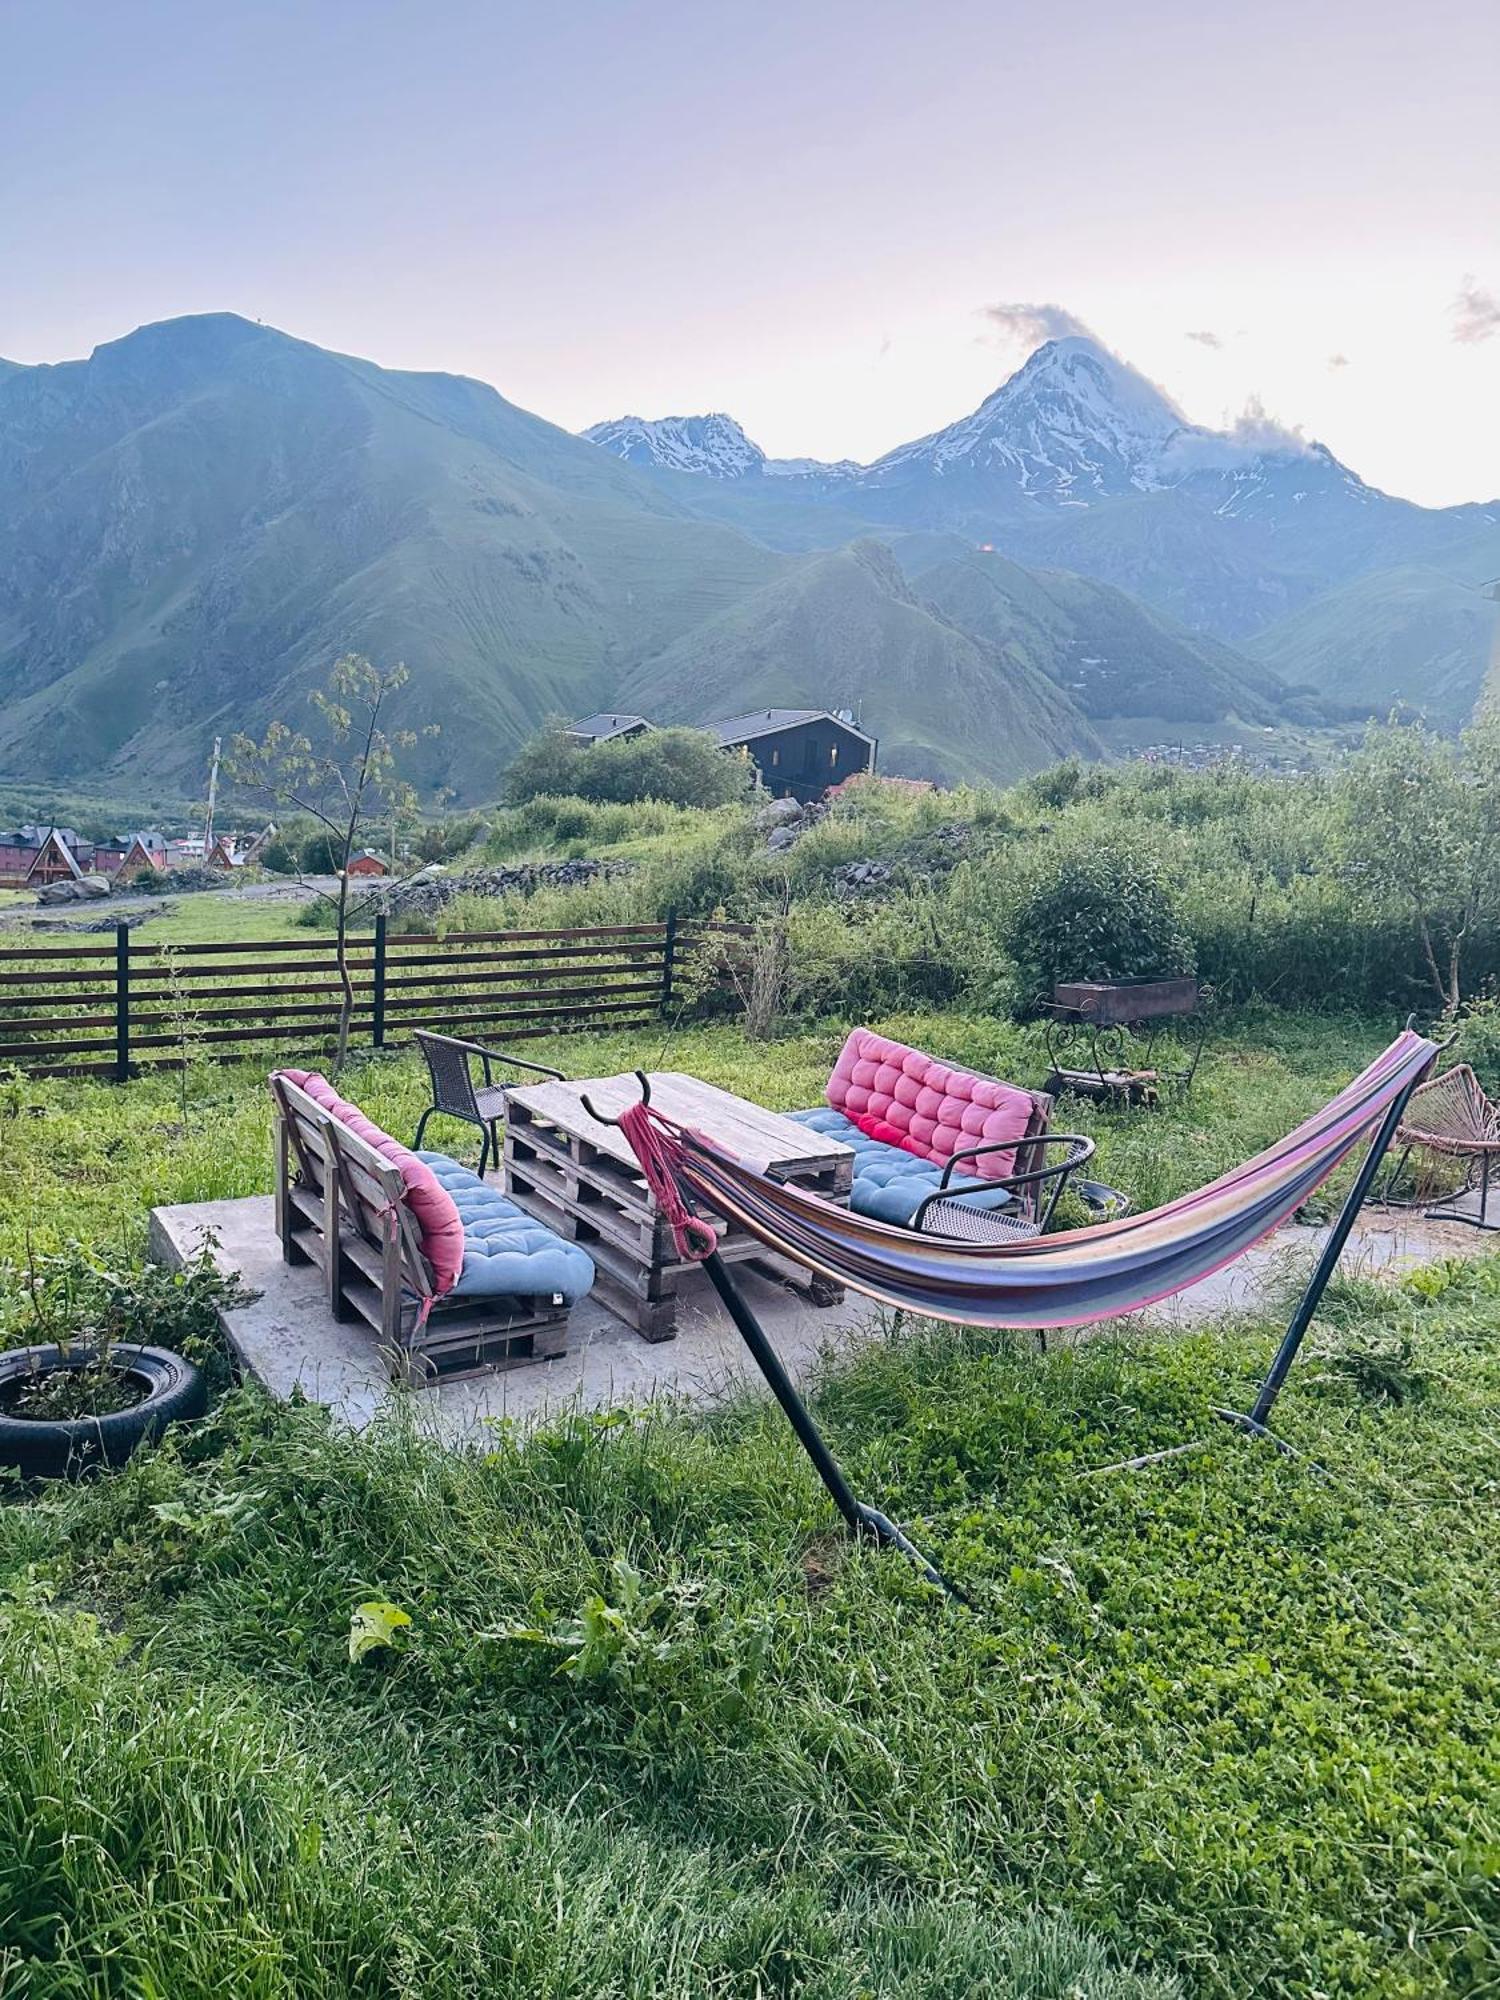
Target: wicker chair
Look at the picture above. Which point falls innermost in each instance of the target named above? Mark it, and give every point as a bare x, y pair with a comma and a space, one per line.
1452, 1118
455, 1094
1039, 1187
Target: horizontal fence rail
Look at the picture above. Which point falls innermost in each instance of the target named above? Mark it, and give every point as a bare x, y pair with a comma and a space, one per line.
113, 1009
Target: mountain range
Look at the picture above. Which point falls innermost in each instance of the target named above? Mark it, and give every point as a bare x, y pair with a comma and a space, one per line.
196, 519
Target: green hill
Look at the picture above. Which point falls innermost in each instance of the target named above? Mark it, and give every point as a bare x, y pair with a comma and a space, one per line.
1114, 657
846, 630
1415, 636
197, 519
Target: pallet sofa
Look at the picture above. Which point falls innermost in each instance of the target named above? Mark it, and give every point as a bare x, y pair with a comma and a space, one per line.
907, 1115
452, 1277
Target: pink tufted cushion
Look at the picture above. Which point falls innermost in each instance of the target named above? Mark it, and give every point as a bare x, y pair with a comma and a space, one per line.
929, 1109
438, 1221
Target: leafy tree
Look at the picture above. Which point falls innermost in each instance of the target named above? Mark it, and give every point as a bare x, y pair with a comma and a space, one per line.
545, 767
1421, 829
1093, 912
343, 782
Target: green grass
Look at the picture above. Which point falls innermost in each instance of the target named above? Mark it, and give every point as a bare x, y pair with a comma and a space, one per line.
1226, 1726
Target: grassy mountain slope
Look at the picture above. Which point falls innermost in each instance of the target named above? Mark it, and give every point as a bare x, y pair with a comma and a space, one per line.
1410, 635
845, 629
197, 519
1113, 656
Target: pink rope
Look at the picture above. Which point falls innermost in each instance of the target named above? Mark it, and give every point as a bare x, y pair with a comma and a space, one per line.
657, 1149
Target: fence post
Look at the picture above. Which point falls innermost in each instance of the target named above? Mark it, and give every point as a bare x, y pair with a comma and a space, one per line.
122, 1003
669, 959
377, 1020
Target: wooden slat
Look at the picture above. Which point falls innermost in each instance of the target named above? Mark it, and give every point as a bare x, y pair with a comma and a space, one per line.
207, 976
483, 977
655, 927
520, 1028
65, 978
46, 1050
219, 948
420, 1005
55, 1023
646, 950
37, 953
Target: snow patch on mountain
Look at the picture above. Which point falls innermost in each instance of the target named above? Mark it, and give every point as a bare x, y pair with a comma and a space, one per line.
713, 446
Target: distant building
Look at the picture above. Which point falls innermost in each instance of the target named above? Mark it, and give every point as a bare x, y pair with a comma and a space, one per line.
367, 862
607, 729
800, 753
56, 860
147, 851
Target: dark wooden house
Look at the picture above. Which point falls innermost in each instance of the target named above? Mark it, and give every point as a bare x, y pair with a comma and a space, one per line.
800, 753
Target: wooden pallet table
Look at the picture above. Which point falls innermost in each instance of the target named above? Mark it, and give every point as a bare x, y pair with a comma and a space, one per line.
582, 1179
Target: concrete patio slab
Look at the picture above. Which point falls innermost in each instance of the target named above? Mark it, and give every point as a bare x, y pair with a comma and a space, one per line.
289, 1341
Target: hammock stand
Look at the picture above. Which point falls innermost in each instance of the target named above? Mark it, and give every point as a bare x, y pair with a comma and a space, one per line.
697, 1239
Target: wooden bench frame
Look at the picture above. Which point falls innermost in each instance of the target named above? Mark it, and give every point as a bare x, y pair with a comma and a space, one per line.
353, 1223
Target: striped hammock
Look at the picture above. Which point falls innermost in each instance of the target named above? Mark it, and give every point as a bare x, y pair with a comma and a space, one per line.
1078, 1275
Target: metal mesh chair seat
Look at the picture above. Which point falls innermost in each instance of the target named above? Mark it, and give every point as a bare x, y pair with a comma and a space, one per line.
978, 1225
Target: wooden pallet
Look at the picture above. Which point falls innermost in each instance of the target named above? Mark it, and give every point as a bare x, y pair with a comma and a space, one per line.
339, 1207
581, 1179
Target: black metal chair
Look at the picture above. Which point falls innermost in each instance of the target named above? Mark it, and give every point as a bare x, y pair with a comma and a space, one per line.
1038, 1189
455, 1094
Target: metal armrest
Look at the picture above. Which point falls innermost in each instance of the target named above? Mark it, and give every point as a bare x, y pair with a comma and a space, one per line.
1081, 1148
490, 1056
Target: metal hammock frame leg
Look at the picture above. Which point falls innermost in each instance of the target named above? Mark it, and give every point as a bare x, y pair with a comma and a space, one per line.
864, 1520
1253, 1420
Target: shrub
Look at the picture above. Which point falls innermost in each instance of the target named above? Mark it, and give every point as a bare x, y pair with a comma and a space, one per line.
683, 767
1090, 912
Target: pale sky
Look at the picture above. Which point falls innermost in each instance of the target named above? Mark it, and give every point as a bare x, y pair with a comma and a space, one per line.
793, 212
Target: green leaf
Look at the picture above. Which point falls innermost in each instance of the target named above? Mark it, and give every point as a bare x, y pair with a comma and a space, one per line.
373, 1625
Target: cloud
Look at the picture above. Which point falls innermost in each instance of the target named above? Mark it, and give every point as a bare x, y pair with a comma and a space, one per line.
1252, 434
1204, 338
1476, 313
1029, 326
1336, 361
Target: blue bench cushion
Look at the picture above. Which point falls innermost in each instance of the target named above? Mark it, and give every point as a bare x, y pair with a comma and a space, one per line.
508, 1253
888, 1182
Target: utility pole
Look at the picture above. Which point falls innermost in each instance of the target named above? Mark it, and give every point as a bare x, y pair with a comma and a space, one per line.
213, 793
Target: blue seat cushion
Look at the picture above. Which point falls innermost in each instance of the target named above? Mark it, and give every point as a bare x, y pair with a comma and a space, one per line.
508, 1253
888, 1182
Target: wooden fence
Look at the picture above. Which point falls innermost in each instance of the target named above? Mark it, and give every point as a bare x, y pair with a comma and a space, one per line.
112, 1009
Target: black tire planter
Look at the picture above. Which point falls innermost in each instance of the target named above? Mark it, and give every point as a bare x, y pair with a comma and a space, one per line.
57, 1447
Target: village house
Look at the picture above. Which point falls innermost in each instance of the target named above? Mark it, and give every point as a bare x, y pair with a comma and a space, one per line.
799, 753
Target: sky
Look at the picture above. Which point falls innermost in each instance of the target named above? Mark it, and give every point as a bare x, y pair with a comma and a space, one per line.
801, 214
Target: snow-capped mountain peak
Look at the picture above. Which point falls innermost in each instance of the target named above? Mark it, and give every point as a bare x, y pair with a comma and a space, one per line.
713, 446
1073, 423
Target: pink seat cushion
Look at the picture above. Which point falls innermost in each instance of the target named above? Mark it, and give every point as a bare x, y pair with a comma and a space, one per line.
437, 1218
926, 1107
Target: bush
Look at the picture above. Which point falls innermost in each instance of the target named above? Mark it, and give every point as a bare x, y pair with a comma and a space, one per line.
683, 767
1091, 912
321, 855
